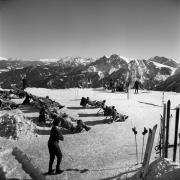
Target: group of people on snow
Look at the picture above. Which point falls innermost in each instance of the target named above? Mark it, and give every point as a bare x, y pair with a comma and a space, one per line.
52, 111
120, 85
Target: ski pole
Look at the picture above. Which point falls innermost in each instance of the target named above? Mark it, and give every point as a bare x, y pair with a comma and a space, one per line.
135, 132
179, 148
143, 133
176, 134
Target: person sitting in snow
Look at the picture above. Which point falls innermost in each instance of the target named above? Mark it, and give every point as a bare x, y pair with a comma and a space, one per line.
27, 99
112, 112
90, 102
118, 117
42, 115
100, 103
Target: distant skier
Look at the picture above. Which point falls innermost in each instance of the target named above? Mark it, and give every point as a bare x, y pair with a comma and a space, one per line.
136, 86
127, 86
111, 82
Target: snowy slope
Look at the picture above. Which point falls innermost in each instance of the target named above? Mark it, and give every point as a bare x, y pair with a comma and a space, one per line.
107, 150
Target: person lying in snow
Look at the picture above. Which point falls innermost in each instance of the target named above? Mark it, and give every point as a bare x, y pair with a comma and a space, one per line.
7, 105
113, 114
118, 117
50, 103
100, 103
90, 102
5, 95
86, 101
67, 122
46, 102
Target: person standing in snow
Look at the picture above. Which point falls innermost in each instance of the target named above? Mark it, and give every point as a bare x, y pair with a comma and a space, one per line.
24, 82
53, 146
136, 86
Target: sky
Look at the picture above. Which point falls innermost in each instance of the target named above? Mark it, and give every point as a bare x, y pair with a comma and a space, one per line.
33, 29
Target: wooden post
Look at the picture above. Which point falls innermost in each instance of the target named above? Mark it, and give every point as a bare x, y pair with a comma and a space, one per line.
128, 92
163, 98
176, 134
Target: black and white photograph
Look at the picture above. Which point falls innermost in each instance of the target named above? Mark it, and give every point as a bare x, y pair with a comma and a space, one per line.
89, 89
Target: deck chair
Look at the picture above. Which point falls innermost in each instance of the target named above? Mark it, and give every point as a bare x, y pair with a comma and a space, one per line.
83, 102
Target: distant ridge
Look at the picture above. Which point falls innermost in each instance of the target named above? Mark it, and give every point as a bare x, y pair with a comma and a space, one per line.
70, 71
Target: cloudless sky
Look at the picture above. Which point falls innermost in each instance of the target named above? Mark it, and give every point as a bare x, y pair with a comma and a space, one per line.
90, 28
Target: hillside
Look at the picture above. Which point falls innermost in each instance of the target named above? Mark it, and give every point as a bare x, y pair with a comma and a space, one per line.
172, 83
77, 71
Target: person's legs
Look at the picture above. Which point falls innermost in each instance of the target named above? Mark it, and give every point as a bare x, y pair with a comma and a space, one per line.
81, 125
52, 156
58, 154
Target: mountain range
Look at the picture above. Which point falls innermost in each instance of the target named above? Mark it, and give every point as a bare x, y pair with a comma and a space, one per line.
156, 73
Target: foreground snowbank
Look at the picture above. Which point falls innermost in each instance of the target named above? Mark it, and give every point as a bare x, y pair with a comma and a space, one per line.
163, 169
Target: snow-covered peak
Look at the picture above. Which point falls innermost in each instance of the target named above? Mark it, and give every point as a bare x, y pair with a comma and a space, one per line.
3, 59
48, 60
75, 60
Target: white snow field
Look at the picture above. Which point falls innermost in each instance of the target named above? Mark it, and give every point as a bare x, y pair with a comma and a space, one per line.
107, 150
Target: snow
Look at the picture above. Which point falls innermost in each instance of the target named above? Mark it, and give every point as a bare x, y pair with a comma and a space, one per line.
162, 65
125, 58
19, 68
3, 59
107, 150
48, 60
4, 70
113, 69
141, 114
101, 75
160, 77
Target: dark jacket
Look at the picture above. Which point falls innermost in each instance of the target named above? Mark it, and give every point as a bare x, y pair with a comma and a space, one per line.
136, 84
55, 135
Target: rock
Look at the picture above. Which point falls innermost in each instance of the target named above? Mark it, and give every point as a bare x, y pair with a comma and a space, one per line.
15, 126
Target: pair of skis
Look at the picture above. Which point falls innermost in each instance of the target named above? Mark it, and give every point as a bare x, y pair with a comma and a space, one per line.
143, 133
162, 147
164, 132
148, 151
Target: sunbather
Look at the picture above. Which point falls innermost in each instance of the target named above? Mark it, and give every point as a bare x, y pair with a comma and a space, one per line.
67, 122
